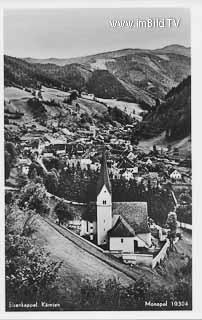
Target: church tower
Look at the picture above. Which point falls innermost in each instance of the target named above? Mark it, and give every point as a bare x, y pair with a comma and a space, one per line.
104, 203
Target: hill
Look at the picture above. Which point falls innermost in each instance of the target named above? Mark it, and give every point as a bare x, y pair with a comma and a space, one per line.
173, 116
175, 48
135, 75
52, 112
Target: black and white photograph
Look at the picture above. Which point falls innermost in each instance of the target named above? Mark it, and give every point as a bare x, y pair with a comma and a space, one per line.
98, 161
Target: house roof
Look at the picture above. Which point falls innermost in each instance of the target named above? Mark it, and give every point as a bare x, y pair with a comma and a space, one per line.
175, 172
134, 213
125, 163
121, 229
104, 176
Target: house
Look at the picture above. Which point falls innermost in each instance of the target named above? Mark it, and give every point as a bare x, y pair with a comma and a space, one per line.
93, 130
95, 166
131, 156
149, 162
153, 178
23, 165
125, 164
176, 175
120, 225
128, 175
74, 162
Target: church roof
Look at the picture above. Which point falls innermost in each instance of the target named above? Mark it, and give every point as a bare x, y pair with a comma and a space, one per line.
104, 176
129, 218
134, 213
121, 229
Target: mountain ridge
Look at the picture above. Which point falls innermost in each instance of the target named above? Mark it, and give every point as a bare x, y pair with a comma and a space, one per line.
113, 52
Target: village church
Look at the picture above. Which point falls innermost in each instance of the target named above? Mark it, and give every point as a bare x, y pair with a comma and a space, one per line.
122, 226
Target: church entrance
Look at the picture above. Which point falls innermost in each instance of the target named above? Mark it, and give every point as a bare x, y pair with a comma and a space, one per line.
135, 245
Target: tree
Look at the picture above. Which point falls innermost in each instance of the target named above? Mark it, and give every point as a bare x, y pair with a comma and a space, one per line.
7, 164
62, 212
33, 174
10, 148
51, 182
172, 225
73, 96
155, 150
38, 167
134, 139
185, 197
33, 196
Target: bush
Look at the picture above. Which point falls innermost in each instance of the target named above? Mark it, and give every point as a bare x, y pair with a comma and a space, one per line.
30, 274
33, 197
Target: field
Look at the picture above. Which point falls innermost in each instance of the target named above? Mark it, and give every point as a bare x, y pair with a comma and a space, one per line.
12, 93
183, 145
128, 107
51, 93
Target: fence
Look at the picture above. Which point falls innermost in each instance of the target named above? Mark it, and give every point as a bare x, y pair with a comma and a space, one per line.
185, 226
161, 255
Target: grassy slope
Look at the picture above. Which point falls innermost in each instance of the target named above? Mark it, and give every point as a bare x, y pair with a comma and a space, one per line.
16, 100
183, 145
77, 263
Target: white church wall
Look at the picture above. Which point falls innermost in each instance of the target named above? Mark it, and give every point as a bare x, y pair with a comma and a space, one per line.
126, 244
123, 244
104, 223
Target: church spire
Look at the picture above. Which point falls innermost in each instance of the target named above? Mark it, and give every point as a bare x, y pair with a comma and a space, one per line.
104, 176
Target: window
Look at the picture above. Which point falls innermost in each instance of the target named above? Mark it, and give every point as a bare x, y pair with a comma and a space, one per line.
104, 220
121, 240
104, 201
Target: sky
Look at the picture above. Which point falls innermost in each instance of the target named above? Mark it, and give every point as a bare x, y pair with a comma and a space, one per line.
67, 33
